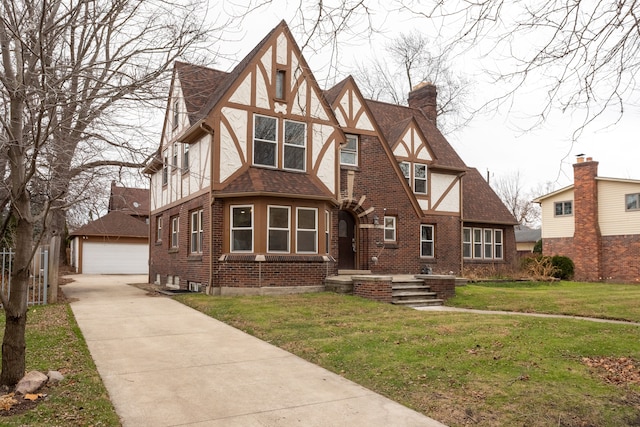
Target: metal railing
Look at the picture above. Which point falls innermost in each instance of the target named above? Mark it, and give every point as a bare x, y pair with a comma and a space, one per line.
38, 280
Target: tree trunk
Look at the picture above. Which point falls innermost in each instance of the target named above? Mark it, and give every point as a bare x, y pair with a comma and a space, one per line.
13, 349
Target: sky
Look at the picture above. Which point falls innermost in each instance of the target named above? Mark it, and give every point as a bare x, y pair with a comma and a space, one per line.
499, 143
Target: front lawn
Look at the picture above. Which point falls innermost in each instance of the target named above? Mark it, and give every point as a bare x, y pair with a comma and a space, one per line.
459, 368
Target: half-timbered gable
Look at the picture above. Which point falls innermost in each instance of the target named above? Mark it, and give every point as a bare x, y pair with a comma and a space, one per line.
263, 180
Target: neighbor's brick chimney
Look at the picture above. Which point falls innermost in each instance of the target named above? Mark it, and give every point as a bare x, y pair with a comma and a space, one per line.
424, 96
587, 240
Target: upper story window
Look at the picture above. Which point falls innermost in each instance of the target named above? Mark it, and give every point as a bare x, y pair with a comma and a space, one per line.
632, 202
280, 81
185, 157
165, 167
242, 228
176, 114
563, 208
349, 151
295, 135
264, 141
415, 173
389, 228
174, 160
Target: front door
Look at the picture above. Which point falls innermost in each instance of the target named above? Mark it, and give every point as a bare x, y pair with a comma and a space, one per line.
346, 241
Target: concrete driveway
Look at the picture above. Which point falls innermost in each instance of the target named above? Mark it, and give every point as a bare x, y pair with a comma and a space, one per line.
165, 364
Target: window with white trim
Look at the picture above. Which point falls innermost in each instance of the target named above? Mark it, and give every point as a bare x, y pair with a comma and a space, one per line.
405, 167
389, 228
466, 242
563, 208
349, 151
482, 243
159, 228
175, 229
420, 178
295, 136
306, 230
197, 232
280, 81
327, 231
632, 202
265, 141
278, 225
242, 228
427, 241
185, 157
165, 167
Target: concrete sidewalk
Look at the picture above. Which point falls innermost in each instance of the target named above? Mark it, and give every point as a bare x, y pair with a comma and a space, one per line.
165, 364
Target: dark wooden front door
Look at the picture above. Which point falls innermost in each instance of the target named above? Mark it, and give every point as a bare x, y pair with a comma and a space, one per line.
346, 241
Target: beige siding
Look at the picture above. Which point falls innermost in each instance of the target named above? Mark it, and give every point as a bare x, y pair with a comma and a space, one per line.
613, 217
552, 226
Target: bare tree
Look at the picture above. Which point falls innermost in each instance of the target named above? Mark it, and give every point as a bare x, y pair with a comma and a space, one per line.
68, 66
409, 60
583, 54
518, 200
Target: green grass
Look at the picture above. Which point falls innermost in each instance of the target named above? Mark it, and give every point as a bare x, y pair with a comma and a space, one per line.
54, 342
608, 301
459, 368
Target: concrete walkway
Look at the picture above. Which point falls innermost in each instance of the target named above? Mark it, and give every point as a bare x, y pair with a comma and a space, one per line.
165, 364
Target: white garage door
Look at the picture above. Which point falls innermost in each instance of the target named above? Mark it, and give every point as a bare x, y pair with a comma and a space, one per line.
115, 258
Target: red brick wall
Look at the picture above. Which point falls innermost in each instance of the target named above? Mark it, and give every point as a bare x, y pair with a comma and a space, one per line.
587, 251
621, 258
374, 288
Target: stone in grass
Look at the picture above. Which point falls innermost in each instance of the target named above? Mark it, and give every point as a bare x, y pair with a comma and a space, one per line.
31, 382
54, 377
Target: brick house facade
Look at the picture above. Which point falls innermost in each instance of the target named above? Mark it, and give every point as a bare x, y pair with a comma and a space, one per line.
596, 223
263, 180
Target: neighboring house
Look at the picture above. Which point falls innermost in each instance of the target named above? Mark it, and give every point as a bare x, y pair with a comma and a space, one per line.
264, 180
117, 243
596, 223
526, 239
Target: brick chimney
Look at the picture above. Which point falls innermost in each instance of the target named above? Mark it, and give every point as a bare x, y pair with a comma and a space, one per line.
424, 96
587, 240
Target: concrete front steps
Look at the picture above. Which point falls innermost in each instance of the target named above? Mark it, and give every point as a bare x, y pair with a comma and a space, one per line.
413, 293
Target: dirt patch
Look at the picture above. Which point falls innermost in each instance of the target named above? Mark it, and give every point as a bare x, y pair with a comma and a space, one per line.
615, 370
15, 404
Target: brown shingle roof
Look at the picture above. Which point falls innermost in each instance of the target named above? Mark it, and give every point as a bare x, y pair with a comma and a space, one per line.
270, 181
480, 202
133, 201
114, 224
198, 86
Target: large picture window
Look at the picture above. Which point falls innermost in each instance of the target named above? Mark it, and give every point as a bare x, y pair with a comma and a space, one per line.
295, 136
264, 141
197, 231
278, 229
426, 241
242, 228
306, 230
349, 151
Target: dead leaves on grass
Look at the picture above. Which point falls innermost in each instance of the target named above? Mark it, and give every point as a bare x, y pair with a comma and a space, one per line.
615, 370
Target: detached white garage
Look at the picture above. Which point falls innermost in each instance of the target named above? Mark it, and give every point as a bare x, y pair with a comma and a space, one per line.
117, 243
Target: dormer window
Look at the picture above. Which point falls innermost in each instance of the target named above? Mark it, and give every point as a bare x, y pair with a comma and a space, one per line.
280, 79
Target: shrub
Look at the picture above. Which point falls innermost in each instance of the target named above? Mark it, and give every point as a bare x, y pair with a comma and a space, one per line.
539, 268
564, 267
537, 248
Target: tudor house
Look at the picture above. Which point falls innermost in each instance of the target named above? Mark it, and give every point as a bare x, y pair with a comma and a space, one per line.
262, 179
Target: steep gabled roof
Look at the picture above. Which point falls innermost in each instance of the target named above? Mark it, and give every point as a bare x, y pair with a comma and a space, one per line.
198, 85
389, 117
480, 203
132, 201
114, 224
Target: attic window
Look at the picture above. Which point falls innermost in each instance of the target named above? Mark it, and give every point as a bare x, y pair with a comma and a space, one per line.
176, 114
280, 75
349, 151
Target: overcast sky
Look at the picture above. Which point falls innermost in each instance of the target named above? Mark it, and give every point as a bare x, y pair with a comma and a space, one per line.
496, 142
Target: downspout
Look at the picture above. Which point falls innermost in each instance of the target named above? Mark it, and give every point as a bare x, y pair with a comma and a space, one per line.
461, 176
